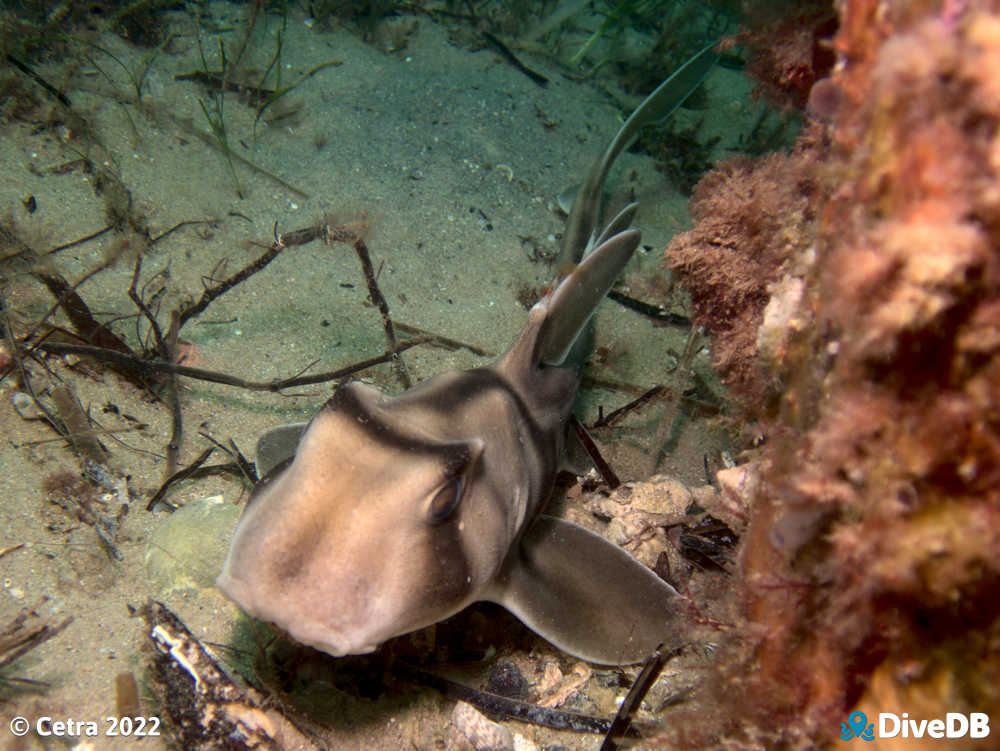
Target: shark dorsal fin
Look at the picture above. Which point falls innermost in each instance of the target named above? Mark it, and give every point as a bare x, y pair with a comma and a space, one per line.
621, 222
577, 296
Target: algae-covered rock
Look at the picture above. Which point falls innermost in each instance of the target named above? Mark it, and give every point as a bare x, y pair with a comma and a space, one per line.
187, 549
852, 289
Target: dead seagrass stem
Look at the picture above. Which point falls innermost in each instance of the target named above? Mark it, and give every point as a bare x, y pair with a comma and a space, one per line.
344, 235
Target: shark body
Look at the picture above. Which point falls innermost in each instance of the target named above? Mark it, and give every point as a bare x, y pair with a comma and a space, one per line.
385, 514
398, 511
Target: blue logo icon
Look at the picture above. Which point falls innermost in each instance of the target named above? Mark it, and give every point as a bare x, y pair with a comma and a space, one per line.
857, 727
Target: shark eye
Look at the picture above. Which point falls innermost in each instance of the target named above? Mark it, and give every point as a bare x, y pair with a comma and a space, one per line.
445, 501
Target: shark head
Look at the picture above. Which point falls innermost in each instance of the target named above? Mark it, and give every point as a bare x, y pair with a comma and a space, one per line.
385, 514
385, 521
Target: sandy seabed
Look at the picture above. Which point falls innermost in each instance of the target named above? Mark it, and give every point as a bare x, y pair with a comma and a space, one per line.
450, 159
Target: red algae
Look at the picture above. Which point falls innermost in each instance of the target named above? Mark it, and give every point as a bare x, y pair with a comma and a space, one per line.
751, 216
787, 40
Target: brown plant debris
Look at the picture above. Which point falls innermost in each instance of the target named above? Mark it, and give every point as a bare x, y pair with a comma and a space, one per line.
26, 631
651, 670
203, 709
80, 496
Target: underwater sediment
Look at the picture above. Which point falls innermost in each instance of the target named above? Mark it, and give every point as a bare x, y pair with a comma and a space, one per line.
852, 289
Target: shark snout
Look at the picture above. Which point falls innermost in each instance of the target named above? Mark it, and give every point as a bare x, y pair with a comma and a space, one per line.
328, 639
296, 617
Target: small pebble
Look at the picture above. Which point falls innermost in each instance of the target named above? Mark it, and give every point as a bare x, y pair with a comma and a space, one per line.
25, 406
187, 548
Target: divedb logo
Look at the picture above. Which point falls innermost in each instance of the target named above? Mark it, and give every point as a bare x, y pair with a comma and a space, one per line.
890, 725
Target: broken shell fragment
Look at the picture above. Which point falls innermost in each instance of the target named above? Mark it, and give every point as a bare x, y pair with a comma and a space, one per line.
471, 729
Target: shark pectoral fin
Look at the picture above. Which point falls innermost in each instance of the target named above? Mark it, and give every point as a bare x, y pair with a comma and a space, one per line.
587, 596
278, 445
